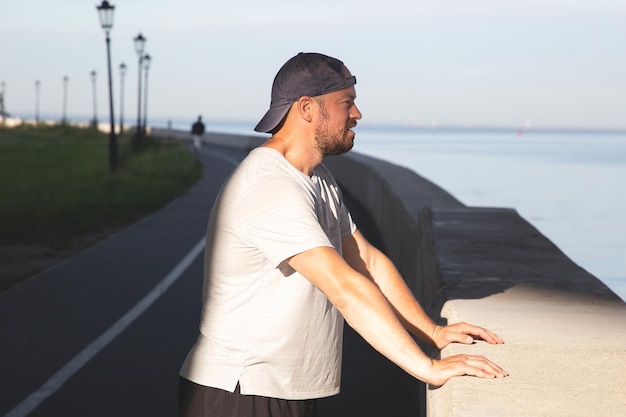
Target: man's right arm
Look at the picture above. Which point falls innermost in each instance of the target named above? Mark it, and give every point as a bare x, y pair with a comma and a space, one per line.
366, 309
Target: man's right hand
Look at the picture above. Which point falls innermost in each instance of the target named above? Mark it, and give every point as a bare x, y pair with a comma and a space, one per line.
460, 365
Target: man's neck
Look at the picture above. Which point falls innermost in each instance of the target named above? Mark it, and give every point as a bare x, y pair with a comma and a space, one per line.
299, 152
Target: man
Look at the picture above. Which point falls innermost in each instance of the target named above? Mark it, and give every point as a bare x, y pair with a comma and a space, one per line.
197, 130
285, 265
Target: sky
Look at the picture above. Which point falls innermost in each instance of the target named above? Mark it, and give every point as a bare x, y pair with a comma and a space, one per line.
509, 63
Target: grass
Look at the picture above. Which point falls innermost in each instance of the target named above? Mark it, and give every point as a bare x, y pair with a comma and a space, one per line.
56, 186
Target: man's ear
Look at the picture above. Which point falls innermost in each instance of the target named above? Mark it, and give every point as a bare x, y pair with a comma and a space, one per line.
304, 108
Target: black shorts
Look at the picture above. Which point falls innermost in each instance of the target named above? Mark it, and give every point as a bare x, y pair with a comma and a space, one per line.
199, 401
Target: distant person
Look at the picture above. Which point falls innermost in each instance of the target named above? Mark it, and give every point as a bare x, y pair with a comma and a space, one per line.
197, 130
285, 265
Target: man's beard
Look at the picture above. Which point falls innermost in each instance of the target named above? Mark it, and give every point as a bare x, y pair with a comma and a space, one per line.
333, 143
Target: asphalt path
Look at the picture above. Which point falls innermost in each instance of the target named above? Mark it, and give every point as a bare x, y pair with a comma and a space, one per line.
105, 332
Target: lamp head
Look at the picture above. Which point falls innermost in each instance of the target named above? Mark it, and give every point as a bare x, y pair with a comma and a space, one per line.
146, 61
105, 13
140, 43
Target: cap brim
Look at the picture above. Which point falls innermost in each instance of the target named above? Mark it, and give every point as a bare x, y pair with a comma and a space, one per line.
272, 118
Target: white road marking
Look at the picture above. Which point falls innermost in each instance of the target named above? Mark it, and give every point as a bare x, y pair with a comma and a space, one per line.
66, 372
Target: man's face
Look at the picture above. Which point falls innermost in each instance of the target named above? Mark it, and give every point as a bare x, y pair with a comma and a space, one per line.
337, 116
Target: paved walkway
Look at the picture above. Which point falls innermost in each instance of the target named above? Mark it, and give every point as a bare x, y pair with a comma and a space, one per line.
104, 333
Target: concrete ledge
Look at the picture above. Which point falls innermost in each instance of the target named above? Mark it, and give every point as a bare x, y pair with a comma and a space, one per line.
564, 330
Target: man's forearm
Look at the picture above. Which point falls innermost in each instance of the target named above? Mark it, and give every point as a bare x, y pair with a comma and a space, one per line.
400, 297
376, 266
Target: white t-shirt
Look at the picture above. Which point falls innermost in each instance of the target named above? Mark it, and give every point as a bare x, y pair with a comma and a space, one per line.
263, 324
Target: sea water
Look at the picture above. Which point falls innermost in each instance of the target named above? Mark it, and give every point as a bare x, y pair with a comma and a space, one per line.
571, 185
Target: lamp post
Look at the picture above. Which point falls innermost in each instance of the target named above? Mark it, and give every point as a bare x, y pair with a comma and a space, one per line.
2, 111
122, 74
94, 121
37, 85
65, 82
146, 64
140, 43
105, 13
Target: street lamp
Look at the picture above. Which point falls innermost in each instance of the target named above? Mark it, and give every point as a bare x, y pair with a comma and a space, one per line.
122, 74
105, 13
64, 118
2, 93
140, 43
146, 63
37, 85
94, 121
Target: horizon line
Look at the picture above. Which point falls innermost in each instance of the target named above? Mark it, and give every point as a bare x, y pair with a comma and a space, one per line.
160, 121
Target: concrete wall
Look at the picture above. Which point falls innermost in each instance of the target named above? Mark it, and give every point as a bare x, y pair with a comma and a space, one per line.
564, 331
397, 198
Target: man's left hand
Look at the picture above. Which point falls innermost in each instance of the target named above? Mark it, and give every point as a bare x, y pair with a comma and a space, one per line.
463, 333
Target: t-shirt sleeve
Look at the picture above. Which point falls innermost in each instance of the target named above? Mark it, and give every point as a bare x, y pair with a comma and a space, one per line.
282, 224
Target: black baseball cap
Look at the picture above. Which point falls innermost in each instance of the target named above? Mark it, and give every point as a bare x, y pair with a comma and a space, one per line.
306, 74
